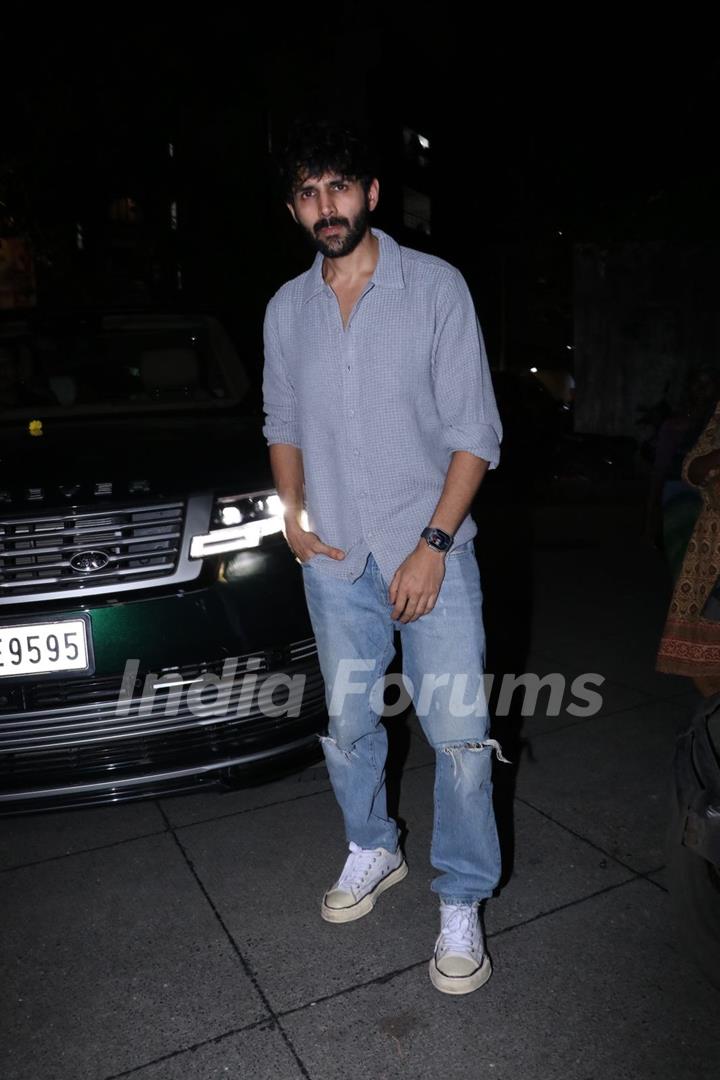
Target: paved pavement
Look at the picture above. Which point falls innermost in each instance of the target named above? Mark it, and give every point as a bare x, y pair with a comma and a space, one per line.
181, 938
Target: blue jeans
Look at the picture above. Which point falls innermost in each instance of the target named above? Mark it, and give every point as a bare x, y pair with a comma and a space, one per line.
443, 659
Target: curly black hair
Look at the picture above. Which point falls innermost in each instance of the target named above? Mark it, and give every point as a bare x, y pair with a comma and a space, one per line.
319, 147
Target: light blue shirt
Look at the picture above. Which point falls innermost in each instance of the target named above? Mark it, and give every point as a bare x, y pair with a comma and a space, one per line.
378, 408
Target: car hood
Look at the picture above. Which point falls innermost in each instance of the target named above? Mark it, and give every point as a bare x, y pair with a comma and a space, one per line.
78, 460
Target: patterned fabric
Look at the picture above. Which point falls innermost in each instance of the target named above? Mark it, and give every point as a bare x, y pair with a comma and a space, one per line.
690, 644
379, 406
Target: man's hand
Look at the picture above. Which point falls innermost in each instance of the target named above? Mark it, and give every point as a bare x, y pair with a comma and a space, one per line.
305, 544
416, 584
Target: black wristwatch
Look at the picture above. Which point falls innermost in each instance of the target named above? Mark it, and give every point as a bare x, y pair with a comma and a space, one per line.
437, 539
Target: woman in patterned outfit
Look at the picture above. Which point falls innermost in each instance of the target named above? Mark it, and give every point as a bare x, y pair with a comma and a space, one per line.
690, 644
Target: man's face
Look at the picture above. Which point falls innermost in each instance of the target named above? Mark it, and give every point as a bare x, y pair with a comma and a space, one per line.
334, 211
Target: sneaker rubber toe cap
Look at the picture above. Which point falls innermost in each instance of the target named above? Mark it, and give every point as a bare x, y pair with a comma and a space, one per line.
456, 966
338, 899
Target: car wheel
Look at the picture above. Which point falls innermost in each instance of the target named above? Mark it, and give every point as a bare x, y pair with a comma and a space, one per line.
695, 897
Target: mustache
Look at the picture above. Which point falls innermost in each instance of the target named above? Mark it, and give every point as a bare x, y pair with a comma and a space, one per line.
325, 222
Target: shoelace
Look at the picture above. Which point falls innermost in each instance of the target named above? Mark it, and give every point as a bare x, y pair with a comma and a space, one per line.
458, 934
359, 863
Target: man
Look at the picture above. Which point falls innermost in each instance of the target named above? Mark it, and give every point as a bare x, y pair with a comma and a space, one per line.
381, 422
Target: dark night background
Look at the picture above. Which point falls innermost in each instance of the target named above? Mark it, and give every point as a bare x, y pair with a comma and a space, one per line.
571, 173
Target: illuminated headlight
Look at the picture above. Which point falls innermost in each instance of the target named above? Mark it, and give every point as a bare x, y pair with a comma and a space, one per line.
239, 522
231, 515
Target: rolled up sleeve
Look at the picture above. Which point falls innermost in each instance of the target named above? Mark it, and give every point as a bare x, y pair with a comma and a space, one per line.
462, 382
279, 402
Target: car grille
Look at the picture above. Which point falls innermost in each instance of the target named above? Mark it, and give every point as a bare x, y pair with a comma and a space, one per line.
72, 732
128, 544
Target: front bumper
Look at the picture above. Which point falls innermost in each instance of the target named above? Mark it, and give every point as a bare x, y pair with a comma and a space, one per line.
75, 740
93, 741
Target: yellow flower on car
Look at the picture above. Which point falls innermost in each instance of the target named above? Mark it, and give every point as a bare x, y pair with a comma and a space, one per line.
35, 427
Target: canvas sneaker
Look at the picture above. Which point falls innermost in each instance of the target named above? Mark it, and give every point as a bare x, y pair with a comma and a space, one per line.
460, 963
367, 873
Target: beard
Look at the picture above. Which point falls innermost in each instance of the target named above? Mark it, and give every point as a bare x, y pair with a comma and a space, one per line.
334, 247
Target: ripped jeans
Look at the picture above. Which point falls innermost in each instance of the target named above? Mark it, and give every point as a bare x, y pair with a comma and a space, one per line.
443, 662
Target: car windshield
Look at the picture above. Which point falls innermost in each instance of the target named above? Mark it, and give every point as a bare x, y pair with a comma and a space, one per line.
117, 364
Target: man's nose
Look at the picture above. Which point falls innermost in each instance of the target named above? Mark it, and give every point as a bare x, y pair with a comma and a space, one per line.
327, 204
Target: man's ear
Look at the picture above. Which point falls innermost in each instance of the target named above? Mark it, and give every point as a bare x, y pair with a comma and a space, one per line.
373, 193
291, 208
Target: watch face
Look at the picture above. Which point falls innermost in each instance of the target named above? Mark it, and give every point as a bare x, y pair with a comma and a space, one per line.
438, 539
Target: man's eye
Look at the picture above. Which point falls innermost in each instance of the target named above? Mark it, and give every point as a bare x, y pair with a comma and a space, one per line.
340, 185
306, 194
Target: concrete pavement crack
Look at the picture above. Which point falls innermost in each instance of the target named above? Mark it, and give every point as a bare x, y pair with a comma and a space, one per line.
191, 1049
584, 839
245, 964
388, 976
84, 851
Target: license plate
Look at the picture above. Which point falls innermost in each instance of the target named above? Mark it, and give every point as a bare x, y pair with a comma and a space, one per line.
43, 648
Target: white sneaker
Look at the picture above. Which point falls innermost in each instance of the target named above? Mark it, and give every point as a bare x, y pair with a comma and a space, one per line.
367, 873
460, 963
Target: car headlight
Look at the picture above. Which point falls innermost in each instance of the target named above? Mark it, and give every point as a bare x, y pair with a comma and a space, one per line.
239, 522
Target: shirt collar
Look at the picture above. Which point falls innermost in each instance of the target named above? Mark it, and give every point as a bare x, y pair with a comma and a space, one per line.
388, 272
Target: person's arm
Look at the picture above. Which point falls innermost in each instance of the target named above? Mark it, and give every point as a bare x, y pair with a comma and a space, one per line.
462, 482
415, 587
287, 469
282, 432
472, 432
705, 455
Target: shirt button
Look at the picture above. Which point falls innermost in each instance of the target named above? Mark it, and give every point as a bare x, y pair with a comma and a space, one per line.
348, 367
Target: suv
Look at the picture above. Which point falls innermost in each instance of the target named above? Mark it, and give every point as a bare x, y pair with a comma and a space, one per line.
153, 629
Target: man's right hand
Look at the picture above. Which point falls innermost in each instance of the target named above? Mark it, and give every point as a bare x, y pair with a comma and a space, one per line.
305, 544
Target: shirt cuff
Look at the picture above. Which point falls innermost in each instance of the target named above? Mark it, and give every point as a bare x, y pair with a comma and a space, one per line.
287, 434
481, 440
